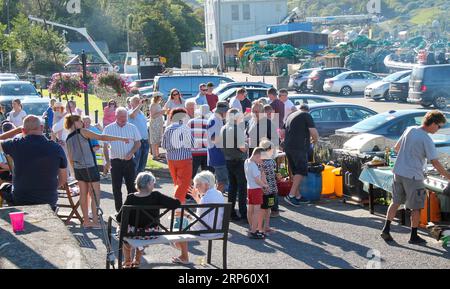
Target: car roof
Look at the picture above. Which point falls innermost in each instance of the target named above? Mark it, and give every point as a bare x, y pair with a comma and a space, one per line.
335, 104
307, 96
402, 112
14, 82
330, 68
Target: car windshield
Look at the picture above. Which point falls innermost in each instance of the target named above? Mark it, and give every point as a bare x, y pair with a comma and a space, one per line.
35, 108
227, 94
373, 122
405, 79
18, 89
219, 88
394, 77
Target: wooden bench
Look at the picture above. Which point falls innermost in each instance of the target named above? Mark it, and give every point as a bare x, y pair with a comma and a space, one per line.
168, 233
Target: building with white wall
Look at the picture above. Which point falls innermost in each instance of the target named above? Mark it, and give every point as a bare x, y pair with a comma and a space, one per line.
232, 19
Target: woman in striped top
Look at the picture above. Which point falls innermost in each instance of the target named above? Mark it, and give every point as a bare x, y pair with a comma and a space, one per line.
178, 142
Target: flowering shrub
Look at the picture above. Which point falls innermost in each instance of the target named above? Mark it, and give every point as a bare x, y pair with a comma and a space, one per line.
67, 84
112, 80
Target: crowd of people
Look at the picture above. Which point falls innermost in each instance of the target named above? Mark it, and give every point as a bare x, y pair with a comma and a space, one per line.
213, 148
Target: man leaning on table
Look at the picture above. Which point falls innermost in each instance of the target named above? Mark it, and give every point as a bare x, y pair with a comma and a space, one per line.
414, 148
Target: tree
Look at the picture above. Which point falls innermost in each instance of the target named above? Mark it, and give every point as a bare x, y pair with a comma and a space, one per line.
38, 47
157, 37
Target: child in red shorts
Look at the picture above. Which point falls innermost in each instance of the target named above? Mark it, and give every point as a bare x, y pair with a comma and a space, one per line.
256, 184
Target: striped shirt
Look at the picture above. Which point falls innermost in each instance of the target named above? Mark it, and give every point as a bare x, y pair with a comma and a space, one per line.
199, 130
120, 149
178, 142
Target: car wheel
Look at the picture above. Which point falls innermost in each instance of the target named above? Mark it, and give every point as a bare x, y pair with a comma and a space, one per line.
303, 87
346, 91
387, 96
440, 102
426, 104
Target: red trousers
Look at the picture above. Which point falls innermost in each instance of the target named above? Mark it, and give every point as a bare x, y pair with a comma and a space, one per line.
181, 172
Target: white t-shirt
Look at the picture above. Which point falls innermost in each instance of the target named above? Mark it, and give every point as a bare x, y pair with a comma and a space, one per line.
288, 105
18, 119
212, 196
235, 103
251, 173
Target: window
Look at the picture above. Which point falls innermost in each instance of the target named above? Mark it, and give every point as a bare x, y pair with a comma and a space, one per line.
356, 114
235, 12
246, 11
326, 114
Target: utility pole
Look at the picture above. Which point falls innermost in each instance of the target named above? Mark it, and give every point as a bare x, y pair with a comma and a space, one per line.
9, 32
86, 95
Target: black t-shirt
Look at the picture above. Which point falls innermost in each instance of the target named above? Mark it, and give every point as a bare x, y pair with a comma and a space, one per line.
37, 162
297, 131
246, 103
154, 199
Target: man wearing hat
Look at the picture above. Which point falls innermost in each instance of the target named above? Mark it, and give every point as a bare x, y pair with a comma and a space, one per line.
216, 158
211, 97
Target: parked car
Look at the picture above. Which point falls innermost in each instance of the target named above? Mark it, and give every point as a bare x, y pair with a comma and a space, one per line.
328, 117
252, 94
228, 85
389, 124
187, 84
146, 91
8, 77
299, 80
399, 89
31, 105
18, 89
349, 82
140, 83
380, 89
317, 78
430, 85
129, 78
308, 99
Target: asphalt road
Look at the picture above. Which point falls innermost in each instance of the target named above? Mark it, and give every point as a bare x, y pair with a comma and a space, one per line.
328, 234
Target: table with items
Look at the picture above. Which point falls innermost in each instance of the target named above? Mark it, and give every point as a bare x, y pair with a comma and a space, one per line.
383, 178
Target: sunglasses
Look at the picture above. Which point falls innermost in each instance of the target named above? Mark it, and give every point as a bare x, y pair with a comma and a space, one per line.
175, 94
204, 90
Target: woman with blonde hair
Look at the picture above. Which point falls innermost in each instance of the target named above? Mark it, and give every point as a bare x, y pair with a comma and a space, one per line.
82, 158
156, 125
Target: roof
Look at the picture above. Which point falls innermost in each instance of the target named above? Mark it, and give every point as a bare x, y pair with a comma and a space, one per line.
263, 37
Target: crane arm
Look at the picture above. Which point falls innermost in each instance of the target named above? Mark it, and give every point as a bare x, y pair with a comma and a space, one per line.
82, 31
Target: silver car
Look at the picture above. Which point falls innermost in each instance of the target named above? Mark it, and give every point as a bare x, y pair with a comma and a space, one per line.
349, 82
380, 89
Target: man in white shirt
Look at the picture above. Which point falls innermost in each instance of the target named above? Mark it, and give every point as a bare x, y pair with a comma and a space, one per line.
289, 106
121, 160
235, 102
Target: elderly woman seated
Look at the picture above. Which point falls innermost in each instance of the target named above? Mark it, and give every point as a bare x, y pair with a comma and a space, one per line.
204, 192
145, 196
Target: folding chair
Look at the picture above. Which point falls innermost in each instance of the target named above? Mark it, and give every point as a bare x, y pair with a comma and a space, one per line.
67, 192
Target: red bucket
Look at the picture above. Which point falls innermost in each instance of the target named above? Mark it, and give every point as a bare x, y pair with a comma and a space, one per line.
284, 187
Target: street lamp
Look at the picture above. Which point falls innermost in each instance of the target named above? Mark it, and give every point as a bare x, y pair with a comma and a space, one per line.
129, 24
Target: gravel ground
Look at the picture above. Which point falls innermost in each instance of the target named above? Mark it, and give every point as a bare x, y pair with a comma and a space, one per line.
328, 234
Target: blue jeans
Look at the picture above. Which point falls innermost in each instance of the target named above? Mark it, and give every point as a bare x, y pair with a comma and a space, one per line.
141, 156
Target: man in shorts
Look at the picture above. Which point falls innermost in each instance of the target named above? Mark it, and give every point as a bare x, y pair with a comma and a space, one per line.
414, 148
298, 132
